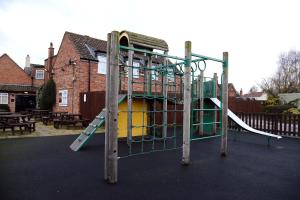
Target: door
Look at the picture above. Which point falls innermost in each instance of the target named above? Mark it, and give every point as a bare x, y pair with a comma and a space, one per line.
25, 102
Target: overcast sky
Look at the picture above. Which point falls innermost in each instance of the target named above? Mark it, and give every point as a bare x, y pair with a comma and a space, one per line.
254, 32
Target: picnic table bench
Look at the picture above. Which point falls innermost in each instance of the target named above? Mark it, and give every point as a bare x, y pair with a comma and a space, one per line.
69, 120
39, 114
17, 120
51, 116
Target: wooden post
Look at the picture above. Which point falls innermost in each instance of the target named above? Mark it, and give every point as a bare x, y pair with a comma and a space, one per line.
107, 105
129, 95
201, 103
224, 105
113, 109
187, 104
165, 102
216, 96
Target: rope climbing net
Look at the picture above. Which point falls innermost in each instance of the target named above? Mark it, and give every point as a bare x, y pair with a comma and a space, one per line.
153, 111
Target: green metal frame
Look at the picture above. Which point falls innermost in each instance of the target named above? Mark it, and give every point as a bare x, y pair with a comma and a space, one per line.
207, 107
155, 96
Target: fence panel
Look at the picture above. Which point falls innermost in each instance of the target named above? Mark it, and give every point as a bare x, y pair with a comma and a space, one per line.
280, 124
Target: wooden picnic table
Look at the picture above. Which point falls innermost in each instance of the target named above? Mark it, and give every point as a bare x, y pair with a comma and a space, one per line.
38, 113
17, 120
52, 115
5, 113
58, 114
69, 119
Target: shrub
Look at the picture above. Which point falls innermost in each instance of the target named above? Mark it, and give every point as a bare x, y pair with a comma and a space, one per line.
272, 101
47, 95
277, 108
293, 111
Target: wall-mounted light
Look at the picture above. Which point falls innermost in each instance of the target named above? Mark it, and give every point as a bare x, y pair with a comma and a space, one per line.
72, 62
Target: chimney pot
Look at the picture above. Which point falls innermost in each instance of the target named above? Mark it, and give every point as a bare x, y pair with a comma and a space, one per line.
49, 66
27, 62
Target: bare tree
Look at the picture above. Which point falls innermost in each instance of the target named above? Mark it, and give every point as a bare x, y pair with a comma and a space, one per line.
254, 88
287, 77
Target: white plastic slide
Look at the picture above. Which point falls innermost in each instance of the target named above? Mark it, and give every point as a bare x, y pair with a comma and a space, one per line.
242, 124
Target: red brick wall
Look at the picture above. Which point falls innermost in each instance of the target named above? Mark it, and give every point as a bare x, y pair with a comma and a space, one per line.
11, 73
12, 102
67, 77
231, 92
97, 80
37, 82
75, 78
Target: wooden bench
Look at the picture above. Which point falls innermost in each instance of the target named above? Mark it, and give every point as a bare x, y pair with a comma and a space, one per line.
74, 122
69, 121
46, 120
30, 126
20, 125
23, 122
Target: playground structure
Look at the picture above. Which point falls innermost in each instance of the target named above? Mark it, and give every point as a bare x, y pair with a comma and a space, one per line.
167, 86
158, 102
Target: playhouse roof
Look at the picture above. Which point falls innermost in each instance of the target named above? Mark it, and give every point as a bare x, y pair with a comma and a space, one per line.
144, 41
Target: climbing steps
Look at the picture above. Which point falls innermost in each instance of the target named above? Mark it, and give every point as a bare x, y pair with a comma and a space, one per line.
91, 129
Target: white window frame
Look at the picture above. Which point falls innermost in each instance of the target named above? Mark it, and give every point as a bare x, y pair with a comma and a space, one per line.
101, 64
4, 98
154, 74
39, 74
63, 97
135, 71
171, 76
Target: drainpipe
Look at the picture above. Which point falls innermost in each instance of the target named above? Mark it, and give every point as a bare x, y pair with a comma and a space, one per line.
31, 81
89, 77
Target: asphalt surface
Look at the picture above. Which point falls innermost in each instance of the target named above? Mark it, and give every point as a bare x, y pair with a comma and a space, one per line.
45, 168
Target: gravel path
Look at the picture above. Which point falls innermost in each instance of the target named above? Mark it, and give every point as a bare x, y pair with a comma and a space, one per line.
43, 130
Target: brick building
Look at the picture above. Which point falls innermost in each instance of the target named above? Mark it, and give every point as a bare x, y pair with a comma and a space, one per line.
75, 69
17, 86
232, 92
80, 67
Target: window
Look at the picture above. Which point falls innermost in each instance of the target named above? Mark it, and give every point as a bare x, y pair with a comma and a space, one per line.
171, 75
102, 64
3, 98
39, 74
63, 97
154, 73
135, 70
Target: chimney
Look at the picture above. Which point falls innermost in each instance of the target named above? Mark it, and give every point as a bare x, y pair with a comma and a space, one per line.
241, 92
50, 61
27, 62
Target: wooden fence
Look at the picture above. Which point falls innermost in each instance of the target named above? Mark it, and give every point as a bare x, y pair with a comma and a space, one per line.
280, 124
238, 105
92, 103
